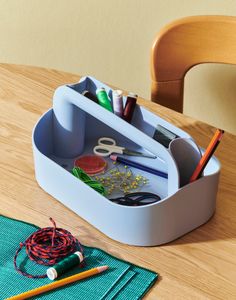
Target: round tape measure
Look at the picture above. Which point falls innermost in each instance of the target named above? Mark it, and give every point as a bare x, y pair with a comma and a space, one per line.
91, 164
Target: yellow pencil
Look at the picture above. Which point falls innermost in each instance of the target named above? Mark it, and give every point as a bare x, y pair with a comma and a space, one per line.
59, 283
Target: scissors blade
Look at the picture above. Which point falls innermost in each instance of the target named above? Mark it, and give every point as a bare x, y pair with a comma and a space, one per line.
136, 153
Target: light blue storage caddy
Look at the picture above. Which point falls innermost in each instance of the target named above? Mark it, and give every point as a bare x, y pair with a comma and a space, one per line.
73, 127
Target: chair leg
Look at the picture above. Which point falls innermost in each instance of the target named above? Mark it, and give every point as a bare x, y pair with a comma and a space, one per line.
168, 94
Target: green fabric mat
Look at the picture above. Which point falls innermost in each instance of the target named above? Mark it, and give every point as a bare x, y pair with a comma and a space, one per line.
123, 280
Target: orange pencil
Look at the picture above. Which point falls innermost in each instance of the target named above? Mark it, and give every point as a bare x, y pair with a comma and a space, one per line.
207, 155
59, 283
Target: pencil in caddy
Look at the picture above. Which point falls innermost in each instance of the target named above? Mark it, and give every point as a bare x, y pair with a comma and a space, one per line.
72, 128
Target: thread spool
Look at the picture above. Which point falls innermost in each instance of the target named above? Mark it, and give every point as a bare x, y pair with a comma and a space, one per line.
118, 103
103, 99
129, 107
90, 96
64, 265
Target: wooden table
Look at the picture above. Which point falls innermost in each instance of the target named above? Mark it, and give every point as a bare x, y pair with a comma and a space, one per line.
200, 265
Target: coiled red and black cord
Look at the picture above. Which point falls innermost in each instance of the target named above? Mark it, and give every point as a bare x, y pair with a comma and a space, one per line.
47, 246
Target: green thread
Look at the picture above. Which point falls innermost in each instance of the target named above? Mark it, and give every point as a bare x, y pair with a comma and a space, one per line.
80, 174
64, 265
103, 99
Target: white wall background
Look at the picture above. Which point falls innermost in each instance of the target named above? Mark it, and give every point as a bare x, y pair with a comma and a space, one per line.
111, 40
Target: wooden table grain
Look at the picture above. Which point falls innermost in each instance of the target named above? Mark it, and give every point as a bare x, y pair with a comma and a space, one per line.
199, 265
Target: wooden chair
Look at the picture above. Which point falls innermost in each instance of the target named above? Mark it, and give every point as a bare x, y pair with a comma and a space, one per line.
184, 44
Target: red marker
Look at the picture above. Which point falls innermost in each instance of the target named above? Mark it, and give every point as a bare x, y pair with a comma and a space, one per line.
207, 155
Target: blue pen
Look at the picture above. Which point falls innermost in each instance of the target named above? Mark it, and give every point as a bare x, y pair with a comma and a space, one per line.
138, 166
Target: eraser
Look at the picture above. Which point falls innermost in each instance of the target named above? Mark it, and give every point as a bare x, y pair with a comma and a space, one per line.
113, 157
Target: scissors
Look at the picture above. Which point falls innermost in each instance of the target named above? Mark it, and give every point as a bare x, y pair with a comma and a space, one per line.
106, 146
136, 199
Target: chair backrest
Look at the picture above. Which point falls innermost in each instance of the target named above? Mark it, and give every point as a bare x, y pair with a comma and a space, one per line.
183, 44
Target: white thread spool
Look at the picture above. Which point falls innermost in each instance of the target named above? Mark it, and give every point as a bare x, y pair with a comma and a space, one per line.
118, 103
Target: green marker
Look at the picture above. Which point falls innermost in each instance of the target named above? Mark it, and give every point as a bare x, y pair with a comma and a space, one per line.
103, 99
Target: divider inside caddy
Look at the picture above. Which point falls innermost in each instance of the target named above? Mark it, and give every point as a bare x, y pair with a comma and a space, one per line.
79, 121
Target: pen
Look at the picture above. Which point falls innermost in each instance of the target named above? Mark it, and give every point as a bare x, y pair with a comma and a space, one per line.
138, 166
59, 283
207, 155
